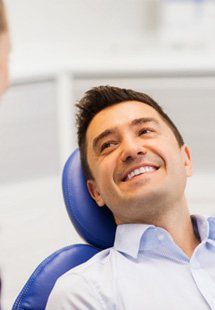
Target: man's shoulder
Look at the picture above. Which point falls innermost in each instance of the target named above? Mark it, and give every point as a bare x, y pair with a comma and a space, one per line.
78, 287
94, 270
94, 264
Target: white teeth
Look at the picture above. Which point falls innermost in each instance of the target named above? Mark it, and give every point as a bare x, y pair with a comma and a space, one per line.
140, 171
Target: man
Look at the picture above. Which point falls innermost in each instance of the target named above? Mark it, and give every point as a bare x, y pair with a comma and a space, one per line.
136, 163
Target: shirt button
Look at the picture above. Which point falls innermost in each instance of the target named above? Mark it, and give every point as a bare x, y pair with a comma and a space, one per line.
195, 265
161, 237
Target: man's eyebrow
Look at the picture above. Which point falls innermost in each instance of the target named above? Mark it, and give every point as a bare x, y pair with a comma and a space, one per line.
143, 120
103, 135
111, 131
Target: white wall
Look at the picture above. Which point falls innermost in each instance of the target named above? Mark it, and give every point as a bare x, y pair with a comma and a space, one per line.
82, 26
110, 27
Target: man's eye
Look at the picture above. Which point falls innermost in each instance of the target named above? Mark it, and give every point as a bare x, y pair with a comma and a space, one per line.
145, 131
106, 145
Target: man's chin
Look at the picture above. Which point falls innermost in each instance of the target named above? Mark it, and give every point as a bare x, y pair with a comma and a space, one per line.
143, 197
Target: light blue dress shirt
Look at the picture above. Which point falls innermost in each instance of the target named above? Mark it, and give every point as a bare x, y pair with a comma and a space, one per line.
144, 270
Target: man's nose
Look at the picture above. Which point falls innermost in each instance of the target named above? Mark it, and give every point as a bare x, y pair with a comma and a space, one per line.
131, 149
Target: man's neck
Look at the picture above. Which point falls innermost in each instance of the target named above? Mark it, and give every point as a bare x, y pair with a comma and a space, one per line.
173, 217
180, 226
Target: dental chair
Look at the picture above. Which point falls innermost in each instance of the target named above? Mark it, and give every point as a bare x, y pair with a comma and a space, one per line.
95, 225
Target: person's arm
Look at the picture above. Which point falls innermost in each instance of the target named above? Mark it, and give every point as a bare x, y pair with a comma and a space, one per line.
4, 51
74, 292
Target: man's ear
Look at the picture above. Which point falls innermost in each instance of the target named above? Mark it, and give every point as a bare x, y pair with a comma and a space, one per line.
187, 159
94, 192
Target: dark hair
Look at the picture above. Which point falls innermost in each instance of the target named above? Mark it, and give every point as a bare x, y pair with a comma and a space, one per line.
101, 97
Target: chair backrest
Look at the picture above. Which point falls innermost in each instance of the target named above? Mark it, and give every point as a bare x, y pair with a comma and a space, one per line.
96, 225
35, 293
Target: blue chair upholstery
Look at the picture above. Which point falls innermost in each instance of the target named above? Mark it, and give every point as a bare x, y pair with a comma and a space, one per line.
96, 225
34, 294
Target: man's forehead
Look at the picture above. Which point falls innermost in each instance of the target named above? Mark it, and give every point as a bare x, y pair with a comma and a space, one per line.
129, 113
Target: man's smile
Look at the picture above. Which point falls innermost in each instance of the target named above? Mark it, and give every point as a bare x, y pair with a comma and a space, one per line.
142, 169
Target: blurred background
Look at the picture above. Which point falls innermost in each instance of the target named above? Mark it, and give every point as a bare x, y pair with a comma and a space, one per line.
61, 48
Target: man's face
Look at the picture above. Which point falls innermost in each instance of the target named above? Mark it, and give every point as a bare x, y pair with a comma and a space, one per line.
4, 54
137, 165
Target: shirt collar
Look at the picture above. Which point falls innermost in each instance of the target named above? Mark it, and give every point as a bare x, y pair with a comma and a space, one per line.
204, 227
133, 233
211, 222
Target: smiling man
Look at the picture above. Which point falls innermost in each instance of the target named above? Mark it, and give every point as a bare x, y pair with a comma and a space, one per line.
136, 163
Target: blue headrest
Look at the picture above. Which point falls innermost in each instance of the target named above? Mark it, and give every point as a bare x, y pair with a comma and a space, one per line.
96, 225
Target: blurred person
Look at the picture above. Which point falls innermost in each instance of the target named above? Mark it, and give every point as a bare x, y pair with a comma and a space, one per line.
4, 48
136, 163
4, 54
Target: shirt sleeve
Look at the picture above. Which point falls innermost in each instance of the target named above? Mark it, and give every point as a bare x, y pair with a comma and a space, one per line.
74, 292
